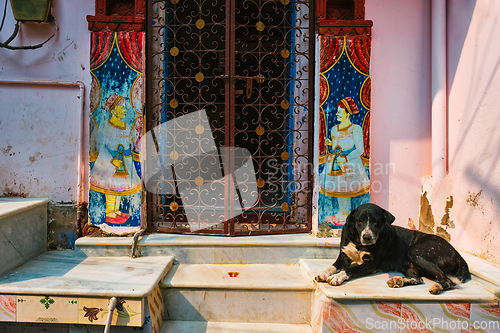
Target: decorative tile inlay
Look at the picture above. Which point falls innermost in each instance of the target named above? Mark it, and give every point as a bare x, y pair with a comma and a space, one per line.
156, 308
8, 308
361, 316
484, 318
318, 305
47, 301
47, 309
94, 311
435, 317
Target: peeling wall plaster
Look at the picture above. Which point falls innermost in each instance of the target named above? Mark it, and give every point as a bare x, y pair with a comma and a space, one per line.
39, 124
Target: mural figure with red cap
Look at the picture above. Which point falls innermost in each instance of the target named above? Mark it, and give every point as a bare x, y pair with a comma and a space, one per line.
344, 175
114, 173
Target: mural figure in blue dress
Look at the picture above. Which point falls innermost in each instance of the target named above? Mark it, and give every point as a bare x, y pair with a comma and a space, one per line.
344, 174
114, 173
344, 128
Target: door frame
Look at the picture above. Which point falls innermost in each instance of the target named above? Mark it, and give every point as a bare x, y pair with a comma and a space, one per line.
230, 82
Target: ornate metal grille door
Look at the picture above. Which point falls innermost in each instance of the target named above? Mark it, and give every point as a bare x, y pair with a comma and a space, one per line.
249, 64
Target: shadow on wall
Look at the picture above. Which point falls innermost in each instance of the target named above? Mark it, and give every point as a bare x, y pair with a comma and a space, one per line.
401, 99
459, 16
483, 64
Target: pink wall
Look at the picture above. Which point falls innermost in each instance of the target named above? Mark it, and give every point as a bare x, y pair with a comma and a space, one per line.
401, 120
401, 103
39, 124
474, 115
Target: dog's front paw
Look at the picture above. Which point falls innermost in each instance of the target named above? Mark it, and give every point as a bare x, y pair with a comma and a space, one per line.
323, 276
395, 282
337, 279
436, 288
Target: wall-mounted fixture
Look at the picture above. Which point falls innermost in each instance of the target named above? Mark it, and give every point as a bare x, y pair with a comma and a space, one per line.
31, 10
27, 11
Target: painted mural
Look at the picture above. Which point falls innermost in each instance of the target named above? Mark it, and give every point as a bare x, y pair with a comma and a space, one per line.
116, 128
344, 116
366, 316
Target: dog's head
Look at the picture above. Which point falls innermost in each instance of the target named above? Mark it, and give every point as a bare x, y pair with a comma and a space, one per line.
369, 220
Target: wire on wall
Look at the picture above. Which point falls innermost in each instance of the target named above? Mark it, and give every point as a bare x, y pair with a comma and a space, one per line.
16, 31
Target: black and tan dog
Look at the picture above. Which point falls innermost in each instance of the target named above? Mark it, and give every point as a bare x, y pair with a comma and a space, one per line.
370, 244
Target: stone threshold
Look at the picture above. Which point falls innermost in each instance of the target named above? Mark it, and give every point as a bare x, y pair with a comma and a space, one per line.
231, 327
274, 277
209, 240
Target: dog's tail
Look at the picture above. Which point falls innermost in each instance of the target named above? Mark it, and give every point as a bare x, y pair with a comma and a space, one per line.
454, 279
462, 273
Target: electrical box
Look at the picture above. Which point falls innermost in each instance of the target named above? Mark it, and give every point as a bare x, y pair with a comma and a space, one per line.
31, 10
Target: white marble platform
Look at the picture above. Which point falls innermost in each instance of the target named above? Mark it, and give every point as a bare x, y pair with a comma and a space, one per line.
374, 287
255, 276
483, 269
228, 327
11, 206
61, 273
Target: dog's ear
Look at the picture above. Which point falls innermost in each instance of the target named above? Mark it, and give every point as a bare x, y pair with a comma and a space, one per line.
349, 218
388, 217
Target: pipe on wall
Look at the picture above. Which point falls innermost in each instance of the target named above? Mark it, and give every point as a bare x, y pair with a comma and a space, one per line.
439, 92
82, 161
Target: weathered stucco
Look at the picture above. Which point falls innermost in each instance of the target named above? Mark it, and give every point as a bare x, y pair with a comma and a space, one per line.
39, 124
466, 201
38, 145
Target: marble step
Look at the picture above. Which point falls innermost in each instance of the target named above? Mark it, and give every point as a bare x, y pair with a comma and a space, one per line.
57, 287
484, 272
231, 327
254, 293
199, 249
374, 287
23, 228
60, 273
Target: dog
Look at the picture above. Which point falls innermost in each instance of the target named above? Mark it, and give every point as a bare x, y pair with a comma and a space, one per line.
370, 244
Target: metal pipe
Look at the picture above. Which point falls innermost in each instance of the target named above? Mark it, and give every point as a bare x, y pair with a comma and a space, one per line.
112, 305
135, 241
82, 161
439, 91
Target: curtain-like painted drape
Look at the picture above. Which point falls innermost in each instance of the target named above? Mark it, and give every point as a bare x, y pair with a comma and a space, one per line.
344, 131
130, 45
101, 45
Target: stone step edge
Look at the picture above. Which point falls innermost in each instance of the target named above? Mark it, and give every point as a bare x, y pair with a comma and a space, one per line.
165, 240
12, 206
179, 277
484, 270
226, 327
